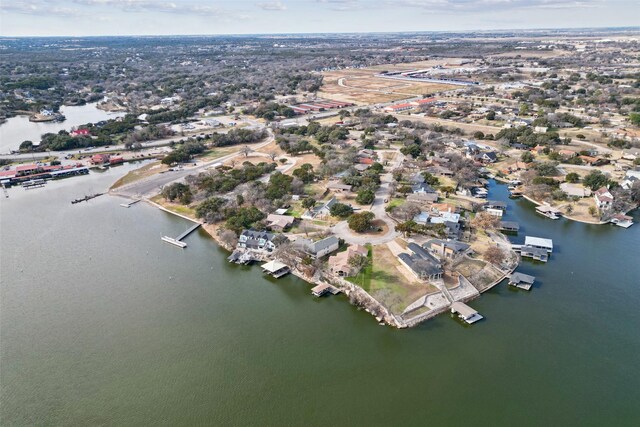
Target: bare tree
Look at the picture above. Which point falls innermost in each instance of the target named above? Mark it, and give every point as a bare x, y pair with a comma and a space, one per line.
494, 255
246, 150
228, 238
272, 156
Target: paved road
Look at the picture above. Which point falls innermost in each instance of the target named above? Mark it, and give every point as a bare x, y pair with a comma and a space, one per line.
342, 229
150, 186
252, 124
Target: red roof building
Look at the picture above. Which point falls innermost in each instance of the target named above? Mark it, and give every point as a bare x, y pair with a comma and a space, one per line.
80, 132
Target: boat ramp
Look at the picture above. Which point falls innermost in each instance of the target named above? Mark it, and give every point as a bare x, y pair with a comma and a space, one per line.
128, 205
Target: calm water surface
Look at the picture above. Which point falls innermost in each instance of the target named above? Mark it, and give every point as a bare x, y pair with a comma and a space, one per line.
18, 129
103, 324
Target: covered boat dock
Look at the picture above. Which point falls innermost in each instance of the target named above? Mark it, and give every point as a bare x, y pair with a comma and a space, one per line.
466, 313
275, 269
521, 280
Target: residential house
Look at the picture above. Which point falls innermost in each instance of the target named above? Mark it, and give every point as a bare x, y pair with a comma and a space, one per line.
338, 187
603, 198
319, 248
321, 211
422, 198
279, 222
259, 240
487, 157
421, 263
446, 248
339, 263
575, 190
422, 188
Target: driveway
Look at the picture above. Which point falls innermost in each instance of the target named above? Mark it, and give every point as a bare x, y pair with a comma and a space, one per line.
342, 229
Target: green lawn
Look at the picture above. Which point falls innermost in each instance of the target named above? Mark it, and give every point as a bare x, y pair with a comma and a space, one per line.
363, 279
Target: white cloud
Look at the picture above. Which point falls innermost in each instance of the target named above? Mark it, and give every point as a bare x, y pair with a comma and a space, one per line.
272, 6
493, 5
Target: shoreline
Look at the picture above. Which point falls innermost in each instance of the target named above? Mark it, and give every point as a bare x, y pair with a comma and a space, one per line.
567, 216
356, 296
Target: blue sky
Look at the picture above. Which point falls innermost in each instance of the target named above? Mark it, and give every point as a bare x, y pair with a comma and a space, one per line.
151, 17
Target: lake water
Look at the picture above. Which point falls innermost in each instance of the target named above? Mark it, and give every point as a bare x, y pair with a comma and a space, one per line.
103, 324
18, 129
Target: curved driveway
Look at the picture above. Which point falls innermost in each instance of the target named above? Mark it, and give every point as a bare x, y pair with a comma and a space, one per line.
342, 229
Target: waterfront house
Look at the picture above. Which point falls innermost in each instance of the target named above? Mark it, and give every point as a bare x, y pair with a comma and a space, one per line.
446, 248
421, 263
603, 198
575, 190
319, 248
339, 263
259, 240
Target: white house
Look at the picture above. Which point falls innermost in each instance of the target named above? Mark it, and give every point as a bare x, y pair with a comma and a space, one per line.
603, 198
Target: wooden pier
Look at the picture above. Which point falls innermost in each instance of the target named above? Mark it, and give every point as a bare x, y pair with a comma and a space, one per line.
178, 240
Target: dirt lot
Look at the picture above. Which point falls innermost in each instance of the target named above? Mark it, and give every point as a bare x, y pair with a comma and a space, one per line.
361, 86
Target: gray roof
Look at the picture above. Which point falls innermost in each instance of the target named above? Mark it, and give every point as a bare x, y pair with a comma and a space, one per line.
495, 204
325, 243
421, 262
510, 224
422, 187
453, 244
521, 278
533, 250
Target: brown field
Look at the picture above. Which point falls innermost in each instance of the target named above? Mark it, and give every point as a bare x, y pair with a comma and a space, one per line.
360, 86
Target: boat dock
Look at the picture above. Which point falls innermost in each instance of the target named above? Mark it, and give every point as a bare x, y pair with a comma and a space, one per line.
86, 198
275, 269
622, 220
521, 280
36, 183
466, 313
178, 240
241, 257
128, 205
548, 211
324, 288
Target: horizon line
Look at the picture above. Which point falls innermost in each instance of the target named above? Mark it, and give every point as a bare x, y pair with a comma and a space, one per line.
497, 30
